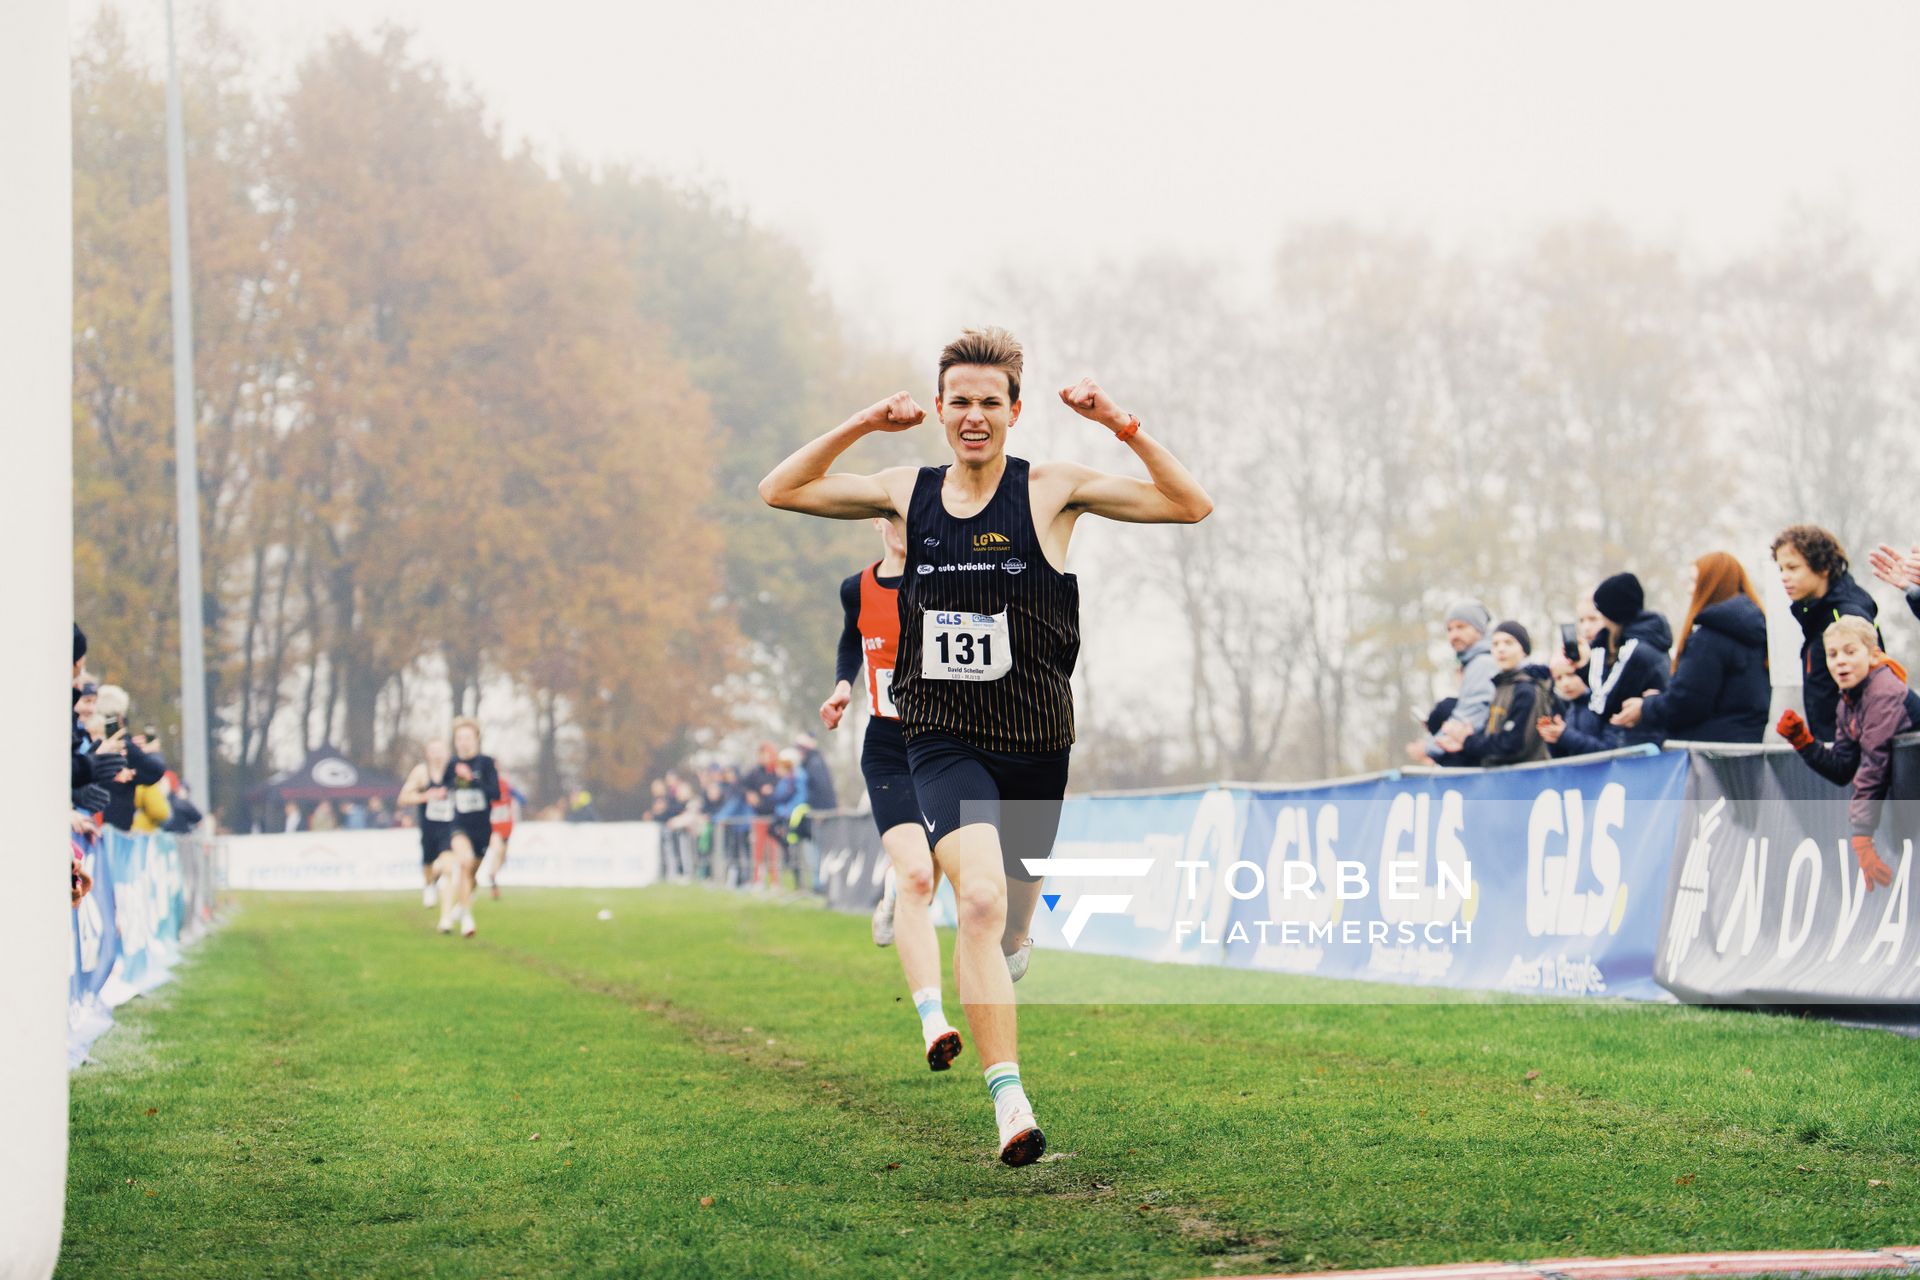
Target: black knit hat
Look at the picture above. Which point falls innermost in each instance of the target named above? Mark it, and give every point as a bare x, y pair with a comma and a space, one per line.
79, 643
1518, 632
1620, 598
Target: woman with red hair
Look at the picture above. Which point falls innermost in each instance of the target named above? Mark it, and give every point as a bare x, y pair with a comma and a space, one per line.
1720, 691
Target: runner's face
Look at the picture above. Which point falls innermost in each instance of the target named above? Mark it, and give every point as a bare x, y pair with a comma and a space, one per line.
977, 412
436, 756
466, 742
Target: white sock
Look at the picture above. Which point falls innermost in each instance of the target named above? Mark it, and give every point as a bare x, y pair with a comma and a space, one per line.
933, 1021
1003, 1082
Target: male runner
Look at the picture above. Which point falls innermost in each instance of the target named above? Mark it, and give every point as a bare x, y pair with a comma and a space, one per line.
871, 638
435, 811
501, 818
474, 783
989, 632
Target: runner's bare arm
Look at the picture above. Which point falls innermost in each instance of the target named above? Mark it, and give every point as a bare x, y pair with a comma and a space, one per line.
801, 483
1170, 495
415, 790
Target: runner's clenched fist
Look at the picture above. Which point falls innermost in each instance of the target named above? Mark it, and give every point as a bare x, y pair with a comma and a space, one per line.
1087, 399
896, 413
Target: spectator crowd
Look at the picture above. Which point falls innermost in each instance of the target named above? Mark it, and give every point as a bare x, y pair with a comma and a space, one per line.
119, 777
721, 819
1619, 676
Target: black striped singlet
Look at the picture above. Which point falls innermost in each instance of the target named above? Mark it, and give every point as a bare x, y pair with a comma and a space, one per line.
960, 576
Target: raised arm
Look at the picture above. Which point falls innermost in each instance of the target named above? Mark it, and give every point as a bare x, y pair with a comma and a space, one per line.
414, 791
1170, 494
801, 482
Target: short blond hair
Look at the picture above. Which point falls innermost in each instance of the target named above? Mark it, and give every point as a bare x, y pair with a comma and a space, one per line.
991, 348
465, 722
1853, 627
112, 702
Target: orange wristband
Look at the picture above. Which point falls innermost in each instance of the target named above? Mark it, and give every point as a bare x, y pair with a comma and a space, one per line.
1125, 433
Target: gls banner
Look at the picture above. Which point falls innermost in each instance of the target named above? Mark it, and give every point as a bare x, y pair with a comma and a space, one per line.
1766, 904
1537, 881
852, 866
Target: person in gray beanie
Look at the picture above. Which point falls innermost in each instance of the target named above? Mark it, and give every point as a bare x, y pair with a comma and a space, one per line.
1467, 623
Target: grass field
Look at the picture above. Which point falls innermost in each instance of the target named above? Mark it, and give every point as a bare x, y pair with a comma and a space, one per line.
708, 1085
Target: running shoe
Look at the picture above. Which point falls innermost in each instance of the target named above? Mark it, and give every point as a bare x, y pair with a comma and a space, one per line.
883, 915
1021, 1141
943, 1049
467, 929
495, 886
430, 896
1017, 962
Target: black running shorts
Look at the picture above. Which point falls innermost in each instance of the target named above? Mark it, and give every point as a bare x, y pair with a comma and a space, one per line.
883, 763
435, 839
1017, 792
477, 827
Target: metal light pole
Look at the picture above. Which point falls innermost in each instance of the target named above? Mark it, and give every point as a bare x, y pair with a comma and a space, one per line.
186, 464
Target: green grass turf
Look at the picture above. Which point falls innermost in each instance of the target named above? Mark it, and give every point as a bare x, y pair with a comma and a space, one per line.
330, 1089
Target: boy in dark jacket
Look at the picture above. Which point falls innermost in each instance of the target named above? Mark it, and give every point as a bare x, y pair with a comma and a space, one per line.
1813, 569
1521, 692
1875, 707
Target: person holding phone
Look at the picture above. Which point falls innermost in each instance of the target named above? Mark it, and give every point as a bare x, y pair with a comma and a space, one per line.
143, 768
97, 758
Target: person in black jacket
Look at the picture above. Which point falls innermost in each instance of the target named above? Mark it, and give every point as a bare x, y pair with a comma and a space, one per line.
96, 761
1720, 691
144, 768
1896, 570
1521, 694
1629, 660
1813, 569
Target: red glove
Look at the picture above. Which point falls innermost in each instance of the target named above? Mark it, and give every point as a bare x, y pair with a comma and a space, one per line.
1877, 872
1795, 731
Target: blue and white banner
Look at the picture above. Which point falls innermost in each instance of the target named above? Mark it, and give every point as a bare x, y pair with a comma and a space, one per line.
1538, 881
127, 932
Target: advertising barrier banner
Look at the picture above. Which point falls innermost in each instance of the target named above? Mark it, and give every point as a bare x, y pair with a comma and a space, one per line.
852, 865
1538, 881
597, 855
128, 932
1765, 901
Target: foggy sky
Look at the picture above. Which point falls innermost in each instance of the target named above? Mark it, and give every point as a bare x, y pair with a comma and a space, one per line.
915, 149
